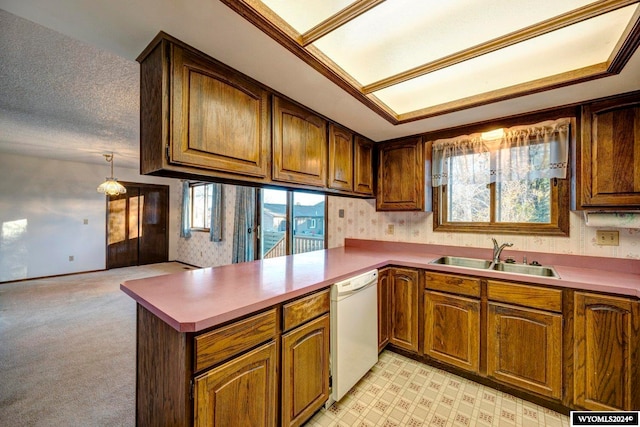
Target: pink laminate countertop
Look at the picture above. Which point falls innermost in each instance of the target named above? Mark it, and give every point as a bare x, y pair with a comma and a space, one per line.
194, 300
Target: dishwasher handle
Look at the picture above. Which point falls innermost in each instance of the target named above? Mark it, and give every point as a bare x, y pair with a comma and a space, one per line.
345, 292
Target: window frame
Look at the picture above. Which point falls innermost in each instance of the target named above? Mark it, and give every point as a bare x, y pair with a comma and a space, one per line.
560, 188
207, 205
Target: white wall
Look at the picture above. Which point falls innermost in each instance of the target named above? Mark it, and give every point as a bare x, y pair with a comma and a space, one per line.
43, 205
361, 221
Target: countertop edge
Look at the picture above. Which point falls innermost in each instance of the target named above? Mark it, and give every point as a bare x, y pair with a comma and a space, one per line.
569, 278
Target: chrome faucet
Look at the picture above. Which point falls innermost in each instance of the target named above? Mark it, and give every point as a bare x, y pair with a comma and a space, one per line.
497, 250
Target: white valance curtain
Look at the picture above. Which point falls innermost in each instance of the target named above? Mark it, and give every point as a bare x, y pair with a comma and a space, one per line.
521, 153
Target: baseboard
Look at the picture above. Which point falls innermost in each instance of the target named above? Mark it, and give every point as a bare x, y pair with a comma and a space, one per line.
52, 276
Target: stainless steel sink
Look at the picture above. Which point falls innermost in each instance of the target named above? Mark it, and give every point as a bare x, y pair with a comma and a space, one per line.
481, 264
463, 262
531, 270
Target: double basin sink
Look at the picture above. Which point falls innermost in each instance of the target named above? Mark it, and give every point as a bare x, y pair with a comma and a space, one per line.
481, 264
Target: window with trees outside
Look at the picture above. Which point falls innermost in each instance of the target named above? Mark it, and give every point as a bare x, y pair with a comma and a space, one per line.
201, 194
509, 180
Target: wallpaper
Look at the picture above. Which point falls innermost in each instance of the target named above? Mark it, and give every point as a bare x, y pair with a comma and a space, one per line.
361, 221
198, 250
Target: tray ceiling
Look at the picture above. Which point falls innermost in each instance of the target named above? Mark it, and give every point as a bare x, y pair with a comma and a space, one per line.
413, 59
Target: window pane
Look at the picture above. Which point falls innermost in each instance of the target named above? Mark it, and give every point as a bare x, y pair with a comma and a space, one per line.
273, 223
524, 201
197, 206
308, 222
468, 203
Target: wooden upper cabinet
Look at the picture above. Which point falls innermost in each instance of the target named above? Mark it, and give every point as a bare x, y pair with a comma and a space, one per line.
340, 158
299, 145
606, 353
363, 166
609, 156
401, 176
200, 116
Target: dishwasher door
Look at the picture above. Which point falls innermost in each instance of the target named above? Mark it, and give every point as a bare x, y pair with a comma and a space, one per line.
354, 336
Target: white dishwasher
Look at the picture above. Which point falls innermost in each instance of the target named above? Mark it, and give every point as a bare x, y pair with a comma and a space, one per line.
354, 331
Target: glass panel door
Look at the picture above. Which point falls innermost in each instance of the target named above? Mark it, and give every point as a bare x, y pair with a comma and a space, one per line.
273, 223
308, 222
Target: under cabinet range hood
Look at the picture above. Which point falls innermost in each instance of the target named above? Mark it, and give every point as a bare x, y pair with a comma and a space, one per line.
612, 219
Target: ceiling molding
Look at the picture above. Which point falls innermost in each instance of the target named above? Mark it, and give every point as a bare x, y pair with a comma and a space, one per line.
263, 24
267, 21
556, 23
627, 45
540, 85
339, 19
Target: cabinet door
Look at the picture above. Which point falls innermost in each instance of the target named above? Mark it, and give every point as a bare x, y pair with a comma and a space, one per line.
305, 371
610, 154
384, 289
340, 158
607, 353
241, 392
452, 330
401, 176
299, 145
524, 348
219, 120
404, 308
363, 166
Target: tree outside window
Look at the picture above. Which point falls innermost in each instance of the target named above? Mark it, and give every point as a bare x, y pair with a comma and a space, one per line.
201, 206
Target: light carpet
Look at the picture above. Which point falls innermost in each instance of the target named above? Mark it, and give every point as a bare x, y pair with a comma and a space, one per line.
67, 349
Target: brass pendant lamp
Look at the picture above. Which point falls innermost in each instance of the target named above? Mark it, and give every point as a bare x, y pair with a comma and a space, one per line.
111, 186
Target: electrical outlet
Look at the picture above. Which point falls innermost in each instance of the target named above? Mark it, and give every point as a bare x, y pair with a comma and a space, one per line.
70, 257
86, 222
608, 238
390, 229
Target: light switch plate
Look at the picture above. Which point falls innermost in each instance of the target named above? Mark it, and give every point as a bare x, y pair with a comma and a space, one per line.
608, 238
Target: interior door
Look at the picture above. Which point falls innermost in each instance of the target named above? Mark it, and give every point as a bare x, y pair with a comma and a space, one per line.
137, 224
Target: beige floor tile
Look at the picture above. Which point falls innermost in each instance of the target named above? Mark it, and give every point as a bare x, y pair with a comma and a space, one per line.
401, 392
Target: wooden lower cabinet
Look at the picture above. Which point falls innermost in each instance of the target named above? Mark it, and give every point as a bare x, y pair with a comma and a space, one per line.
241, 392
384, 290
305, 371
524, 348
452, 330
606, 352
404, 308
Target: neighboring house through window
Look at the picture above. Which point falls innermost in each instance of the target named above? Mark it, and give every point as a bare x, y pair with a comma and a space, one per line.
291, 222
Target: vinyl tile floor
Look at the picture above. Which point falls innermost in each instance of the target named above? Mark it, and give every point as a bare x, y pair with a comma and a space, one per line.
400, 392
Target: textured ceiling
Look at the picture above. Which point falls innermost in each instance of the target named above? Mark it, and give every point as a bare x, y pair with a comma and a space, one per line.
61, 98
69, 84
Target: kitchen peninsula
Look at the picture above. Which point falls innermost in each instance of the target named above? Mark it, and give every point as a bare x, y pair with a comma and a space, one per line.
193, 323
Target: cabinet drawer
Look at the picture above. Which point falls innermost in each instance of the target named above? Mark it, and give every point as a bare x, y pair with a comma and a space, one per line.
304, 309
452, 283
221, 344
525, 295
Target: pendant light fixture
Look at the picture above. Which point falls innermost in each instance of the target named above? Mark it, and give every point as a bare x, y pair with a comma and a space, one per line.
111, 186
